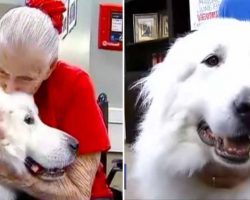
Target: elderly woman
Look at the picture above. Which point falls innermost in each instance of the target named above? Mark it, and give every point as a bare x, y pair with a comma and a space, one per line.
64, 94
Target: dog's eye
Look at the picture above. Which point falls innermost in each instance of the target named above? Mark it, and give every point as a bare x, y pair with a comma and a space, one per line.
211, 61
29, 119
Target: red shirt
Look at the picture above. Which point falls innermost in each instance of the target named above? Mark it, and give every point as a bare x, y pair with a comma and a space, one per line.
67, 101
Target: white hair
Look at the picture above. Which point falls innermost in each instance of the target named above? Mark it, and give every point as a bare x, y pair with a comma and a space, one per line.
25, 26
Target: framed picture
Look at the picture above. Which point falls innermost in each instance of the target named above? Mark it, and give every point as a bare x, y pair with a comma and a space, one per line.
65, 20
145, 27
164, 25
72, 14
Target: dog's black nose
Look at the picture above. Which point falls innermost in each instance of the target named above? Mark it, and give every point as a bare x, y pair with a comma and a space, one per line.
73, 144
241, 106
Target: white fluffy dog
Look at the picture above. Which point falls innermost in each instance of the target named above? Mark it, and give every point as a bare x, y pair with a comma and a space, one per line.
198, 112
27, 144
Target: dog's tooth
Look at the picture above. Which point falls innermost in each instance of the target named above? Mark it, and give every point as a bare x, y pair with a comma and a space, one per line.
34, 168
239, 151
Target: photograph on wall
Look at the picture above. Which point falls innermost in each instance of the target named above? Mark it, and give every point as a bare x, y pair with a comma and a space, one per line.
145, 27
65, 21
72, 14
164, 25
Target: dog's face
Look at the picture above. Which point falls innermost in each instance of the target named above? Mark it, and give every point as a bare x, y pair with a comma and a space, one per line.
26, 141
204, 86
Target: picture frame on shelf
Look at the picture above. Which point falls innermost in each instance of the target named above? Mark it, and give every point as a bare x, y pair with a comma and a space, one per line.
65, 21
145, 27
164, 33
72, 14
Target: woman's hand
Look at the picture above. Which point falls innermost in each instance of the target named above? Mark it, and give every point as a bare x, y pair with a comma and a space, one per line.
76, 183
216, 175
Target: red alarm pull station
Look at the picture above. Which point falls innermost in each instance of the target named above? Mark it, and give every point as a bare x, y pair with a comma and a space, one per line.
110, 27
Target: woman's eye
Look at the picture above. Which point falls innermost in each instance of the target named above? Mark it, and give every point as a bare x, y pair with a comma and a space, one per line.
211, 61
24, 78
3, 73
28, 119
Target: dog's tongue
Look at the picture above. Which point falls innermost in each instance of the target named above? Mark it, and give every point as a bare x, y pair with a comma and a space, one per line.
237, 147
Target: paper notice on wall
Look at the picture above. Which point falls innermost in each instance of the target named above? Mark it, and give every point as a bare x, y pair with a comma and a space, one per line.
202, 10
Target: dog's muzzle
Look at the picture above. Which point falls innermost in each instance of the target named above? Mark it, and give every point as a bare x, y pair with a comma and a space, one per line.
37, 169
234, 150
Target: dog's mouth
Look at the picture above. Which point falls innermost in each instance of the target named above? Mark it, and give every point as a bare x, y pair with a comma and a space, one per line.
38, 170
234, 150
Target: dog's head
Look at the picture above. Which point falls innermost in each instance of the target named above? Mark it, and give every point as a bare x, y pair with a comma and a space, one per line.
26, 141
202, 89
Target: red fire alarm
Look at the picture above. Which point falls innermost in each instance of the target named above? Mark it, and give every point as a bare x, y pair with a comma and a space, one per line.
110, 27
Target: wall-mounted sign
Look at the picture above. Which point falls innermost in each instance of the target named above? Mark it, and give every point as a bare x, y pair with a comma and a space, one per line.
110, 27
202, 10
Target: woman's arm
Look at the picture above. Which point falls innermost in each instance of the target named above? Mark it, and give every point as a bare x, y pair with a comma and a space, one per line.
77, 183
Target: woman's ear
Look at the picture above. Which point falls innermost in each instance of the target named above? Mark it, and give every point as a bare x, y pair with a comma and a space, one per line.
51, 68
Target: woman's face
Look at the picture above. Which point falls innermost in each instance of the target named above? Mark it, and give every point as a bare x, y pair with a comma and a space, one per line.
22, 70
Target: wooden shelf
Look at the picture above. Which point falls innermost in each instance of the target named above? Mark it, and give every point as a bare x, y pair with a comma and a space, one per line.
127, 1
149, 42
134, 1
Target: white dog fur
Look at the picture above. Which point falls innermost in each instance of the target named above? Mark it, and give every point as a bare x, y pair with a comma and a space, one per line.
178, 93
47, 146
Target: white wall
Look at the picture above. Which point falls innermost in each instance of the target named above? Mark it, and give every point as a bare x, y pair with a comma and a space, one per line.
106, 69
14, 2
105, 65
75, 47
5, 7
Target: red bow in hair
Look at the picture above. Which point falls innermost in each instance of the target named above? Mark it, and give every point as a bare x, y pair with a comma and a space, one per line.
53, 8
